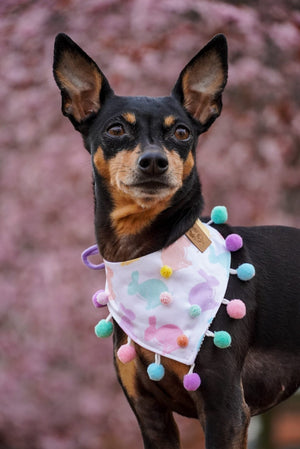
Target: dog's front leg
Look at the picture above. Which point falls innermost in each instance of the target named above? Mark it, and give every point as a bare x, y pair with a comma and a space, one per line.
224, 414
158, 427
156, 422
227, 416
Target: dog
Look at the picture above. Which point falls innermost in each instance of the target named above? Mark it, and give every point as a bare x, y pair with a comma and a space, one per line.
147, 196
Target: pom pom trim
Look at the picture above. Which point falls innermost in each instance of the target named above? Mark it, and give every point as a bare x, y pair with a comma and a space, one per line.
166, 271
233, 242
104, 328
236, 309
244, 272
166, 298
219, 215
191, 380
126, 353
155, 370
100, 299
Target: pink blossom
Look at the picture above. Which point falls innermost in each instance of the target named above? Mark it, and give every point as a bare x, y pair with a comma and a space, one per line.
57, 382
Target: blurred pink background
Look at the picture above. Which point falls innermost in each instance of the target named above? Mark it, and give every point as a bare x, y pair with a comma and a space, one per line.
57, 384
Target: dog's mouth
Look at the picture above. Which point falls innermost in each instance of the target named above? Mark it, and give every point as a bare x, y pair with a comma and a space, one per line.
151, 189
151, 186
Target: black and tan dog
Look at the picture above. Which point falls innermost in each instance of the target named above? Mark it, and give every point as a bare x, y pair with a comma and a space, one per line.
147, 195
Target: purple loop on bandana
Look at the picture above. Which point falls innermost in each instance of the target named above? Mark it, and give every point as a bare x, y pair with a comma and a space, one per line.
91, 251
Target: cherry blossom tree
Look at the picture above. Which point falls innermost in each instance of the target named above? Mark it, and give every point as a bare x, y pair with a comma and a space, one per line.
57, 384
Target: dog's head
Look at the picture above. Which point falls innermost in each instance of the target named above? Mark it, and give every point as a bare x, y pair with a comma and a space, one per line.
142, 148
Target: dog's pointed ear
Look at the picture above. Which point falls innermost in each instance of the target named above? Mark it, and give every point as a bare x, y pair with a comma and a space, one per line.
201, 83
82, 84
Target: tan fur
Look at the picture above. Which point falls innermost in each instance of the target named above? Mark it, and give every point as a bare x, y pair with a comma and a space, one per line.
169, 121
101, 164
133, 209
131, 218
128, 376
129, 117
188, 165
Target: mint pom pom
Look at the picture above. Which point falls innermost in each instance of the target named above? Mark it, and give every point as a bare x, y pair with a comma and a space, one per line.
222, 339
194, 311
104, 329
219, 214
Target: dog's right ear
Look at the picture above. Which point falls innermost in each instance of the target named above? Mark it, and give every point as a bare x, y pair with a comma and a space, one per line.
83, 86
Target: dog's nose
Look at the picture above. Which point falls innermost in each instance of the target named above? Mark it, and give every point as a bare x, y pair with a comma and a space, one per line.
153, 162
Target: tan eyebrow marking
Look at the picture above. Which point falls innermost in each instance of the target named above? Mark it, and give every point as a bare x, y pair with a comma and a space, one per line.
169, 121
129, 117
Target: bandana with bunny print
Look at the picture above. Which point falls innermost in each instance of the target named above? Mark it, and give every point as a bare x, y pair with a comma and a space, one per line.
166, 301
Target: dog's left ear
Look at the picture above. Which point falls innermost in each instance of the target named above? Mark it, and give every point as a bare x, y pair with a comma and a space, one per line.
201, 83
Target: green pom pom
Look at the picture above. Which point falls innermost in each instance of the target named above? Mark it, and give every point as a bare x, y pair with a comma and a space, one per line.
104, 329
194, 311
219, 214
222, 339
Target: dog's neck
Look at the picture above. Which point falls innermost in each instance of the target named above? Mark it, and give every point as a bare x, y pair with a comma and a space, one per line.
166, 228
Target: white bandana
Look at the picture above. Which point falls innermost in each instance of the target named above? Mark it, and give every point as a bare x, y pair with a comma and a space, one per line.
161, 313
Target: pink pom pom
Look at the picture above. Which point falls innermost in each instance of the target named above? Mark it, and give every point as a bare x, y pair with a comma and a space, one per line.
100, 298
165, 298
236, 309
126, 353
233, 242
191, 381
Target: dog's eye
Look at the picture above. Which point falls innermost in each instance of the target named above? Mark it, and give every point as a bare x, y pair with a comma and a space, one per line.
181, 133
116, 130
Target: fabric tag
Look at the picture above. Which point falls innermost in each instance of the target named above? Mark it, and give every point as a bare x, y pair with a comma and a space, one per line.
198, 235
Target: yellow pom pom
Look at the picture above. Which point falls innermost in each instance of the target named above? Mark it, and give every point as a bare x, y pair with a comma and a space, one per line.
166, 271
